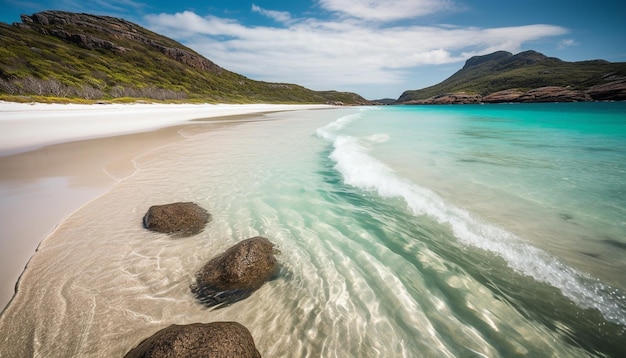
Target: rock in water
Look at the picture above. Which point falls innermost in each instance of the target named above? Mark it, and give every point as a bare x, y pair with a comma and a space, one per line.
217, 339
179, 219
235, 274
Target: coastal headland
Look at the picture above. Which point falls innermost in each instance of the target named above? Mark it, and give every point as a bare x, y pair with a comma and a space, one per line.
526, 77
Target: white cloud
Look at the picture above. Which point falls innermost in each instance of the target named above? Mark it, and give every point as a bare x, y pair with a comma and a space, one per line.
386, 10
337, 54
184, 24
566, 43
278, 16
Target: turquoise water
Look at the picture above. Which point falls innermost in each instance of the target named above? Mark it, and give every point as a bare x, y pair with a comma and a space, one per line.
551, 173
495, 230
538, 188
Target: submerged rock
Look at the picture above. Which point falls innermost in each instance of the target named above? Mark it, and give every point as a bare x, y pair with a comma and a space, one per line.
235, 274
179, 219
217, 339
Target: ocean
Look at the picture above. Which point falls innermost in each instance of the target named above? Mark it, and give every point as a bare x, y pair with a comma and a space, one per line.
404, 231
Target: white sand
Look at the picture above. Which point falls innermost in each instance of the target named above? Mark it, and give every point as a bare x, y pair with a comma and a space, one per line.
51, 163
27, 126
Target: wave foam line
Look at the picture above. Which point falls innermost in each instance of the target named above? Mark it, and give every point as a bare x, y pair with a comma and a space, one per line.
361, 170
328, 132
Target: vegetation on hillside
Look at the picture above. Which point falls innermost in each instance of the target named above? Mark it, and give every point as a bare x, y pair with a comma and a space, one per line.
483, 75
63, 55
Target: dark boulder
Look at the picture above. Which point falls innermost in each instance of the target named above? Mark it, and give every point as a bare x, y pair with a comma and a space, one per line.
217, 339
179, 219
236, 273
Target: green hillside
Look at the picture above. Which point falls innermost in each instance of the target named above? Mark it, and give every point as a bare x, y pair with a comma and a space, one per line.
56, 55
483, 75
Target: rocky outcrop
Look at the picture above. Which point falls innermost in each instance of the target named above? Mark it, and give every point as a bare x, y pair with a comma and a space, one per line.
217, 339
189, 59
178, 219
553, 94
611, 91
503, 96
542, 94
82, 30
614, 90
450, 98
82, 40
236, 273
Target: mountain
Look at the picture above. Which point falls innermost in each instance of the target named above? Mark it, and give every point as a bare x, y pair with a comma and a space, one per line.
525, 77
55, 55
383, 101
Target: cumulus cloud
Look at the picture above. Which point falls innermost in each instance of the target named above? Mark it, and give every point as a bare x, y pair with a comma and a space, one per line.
339, 53
189, 24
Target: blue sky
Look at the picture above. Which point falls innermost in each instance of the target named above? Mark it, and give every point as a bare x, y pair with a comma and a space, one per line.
377, 48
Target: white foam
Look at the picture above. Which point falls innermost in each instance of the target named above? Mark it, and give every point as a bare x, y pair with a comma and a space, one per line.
328, 132
361, 170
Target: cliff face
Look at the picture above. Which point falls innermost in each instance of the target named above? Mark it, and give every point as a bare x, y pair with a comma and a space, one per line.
525, 77
55, 54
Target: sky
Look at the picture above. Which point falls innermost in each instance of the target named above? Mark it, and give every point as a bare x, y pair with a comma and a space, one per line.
376, 48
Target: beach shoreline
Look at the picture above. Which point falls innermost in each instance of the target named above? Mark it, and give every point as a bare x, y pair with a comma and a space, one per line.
373, 263
56, 158
28, 126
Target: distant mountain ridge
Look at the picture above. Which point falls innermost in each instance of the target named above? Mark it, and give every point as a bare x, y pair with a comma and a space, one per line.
60, 55
528, 76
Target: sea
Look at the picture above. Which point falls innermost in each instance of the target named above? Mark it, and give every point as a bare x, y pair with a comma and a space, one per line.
492, 230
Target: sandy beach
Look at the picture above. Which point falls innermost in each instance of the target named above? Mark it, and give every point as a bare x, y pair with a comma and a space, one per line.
55, 158
371, 263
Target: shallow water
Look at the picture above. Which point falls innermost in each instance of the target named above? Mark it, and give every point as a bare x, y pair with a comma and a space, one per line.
411, 231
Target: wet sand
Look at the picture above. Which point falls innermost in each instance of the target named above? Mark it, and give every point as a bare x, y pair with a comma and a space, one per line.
56, 158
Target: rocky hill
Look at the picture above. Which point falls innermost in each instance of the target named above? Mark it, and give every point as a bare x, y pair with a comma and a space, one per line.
54, 55
525, 77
